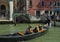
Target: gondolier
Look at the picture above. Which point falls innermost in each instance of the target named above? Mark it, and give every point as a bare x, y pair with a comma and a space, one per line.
48, 19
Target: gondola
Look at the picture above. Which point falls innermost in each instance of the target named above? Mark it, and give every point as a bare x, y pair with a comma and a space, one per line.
18, 38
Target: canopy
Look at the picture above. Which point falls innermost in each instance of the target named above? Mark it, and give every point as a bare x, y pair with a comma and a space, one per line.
56, 9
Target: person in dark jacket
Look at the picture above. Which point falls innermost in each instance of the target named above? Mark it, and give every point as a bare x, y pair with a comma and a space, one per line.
29, 30
48, 19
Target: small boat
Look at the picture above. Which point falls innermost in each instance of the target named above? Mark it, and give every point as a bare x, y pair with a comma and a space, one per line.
18, 38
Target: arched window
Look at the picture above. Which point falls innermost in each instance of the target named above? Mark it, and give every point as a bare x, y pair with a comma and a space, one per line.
3, 10
3, 7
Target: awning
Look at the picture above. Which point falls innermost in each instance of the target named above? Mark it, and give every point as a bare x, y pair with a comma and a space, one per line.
56, 9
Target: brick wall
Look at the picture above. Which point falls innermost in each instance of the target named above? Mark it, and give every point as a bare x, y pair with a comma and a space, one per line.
36, 5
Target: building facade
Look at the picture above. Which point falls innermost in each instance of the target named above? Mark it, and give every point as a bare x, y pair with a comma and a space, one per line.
36, 8
9, 7
32, 7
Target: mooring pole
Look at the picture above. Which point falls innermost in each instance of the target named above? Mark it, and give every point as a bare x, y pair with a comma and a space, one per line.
15, 21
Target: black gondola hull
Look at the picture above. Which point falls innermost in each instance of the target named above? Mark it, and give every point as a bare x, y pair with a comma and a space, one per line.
18, 38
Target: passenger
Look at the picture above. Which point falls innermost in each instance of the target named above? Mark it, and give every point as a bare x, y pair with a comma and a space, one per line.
41, 28
36, 29
29, 30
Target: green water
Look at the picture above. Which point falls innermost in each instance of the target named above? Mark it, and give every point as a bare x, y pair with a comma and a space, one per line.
53, 34
10, 28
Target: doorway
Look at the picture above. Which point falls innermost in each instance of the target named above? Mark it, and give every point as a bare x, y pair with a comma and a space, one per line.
3, 10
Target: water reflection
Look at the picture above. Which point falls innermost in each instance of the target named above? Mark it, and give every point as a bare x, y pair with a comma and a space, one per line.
11, 29
7, 29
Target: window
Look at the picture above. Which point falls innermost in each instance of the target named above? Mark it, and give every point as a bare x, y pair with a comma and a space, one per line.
30, 4
58, 3
20, 5
50, 12
46, 12
50, 3
3, 7
37, 14
55, 4
42, 3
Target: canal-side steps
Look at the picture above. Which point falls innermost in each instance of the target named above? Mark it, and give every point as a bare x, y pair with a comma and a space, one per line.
34, 18
6, 22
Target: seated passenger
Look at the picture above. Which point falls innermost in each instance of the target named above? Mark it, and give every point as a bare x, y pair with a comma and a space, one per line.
29, 30
40, 27
36, 29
